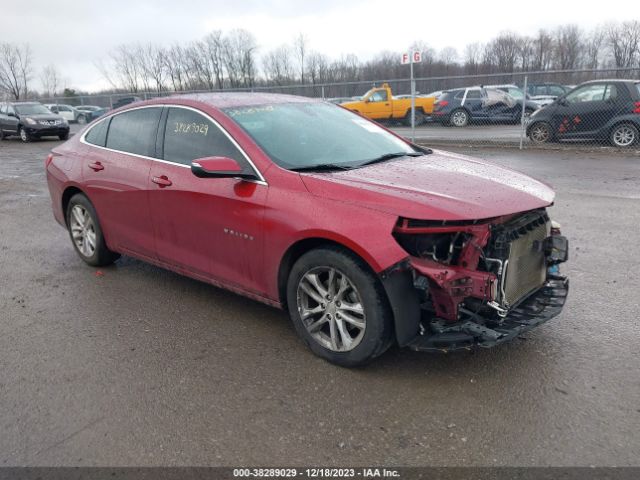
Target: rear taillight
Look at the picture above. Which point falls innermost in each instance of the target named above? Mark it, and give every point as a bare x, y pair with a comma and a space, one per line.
48, 161
636, 108
441, 103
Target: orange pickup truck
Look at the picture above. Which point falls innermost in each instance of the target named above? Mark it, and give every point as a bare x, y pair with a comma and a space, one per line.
379, 104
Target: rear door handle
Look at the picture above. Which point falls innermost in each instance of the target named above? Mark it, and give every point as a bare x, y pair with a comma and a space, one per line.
96, 166
162, 180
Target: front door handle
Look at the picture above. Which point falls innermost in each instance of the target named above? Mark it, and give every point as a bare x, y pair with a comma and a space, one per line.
162, 180
96, 166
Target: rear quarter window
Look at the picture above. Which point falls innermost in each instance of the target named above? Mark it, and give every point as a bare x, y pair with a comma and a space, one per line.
638, 89
134, 131
98, 134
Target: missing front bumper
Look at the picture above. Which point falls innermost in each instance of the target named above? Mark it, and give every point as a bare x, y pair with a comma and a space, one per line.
476, 331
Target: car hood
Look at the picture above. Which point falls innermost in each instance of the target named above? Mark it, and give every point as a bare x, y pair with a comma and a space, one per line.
43, 116
439, 186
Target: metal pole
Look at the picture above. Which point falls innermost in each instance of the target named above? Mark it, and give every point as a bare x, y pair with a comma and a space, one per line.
413, 103
323, 92
524, 101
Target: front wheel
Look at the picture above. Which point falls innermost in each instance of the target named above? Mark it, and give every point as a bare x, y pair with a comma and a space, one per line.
540, 132
86, 233
338, 307
64, 136
624, 135
24, 135
459, 118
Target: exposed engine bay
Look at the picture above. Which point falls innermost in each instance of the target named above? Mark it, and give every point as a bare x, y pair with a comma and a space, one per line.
476, 278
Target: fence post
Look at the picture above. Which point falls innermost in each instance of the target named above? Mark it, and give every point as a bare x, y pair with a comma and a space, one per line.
524, 103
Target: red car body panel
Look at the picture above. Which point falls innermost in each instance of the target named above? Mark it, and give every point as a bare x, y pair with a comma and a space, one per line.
235, 233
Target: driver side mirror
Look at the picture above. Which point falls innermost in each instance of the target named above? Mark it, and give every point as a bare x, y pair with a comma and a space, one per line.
562, 101
219, 167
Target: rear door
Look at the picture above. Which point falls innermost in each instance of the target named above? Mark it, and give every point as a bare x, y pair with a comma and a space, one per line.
209, 227
116, 177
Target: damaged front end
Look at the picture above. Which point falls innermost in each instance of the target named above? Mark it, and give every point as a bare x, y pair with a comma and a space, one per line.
476, 283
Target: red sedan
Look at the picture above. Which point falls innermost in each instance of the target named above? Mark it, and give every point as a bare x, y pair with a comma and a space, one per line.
366, 239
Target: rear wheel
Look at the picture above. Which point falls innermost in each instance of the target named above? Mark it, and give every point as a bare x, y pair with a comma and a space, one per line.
459, 118
86, 234
624, 135
338, 307
540, 132
419, 117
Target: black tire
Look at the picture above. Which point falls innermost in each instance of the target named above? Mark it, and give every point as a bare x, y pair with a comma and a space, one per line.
624, 135
540, 132
101, 255
24, 135
419, 117
2, 135
459, 118
378, 329
64, 136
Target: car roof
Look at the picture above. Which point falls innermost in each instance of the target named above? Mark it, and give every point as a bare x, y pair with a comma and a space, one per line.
24, 103
238, 99
618, 80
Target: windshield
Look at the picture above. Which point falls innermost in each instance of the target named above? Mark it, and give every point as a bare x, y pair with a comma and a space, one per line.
304, 135
32, 109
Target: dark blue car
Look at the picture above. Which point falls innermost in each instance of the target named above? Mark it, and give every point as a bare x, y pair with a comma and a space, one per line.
462, 106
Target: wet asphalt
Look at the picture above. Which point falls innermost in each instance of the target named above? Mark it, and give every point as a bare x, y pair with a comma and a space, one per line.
134, 365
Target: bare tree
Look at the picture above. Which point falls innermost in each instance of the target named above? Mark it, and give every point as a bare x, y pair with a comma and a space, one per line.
448, 55
542, 50
239, 58
213, 44
51, 81
153, 66
505, 51
593, 48
300, 51
567, 47
278, 67
15, 69
472, 57
624, 42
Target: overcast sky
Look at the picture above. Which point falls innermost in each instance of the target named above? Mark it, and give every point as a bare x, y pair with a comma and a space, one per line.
73, 34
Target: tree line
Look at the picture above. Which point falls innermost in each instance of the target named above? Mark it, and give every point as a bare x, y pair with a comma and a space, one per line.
233, 59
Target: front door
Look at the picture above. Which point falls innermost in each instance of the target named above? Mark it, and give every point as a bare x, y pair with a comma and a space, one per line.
378, 105
209, 227
587, 109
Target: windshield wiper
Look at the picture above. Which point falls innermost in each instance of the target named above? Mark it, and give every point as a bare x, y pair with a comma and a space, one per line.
322, 167
389, 156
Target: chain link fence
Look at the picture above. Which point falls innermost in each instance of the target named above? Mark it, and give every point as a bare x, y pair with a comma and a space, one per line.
525, 109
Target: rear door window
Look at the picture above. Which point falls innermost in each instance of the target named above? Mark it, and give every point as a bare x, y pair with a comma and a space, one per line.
190, 135
474, 95
135, 131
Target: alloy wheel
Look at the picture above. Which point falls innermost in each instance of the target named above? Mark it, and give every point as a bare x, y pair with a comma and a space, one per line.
83, 231
459, 118
331, 309
623, 136
540, 133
